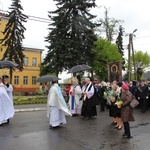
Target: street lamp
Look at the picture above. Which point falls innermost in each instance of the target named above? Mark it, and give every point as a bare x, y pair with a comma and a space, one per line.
135, 70
134, 31
130, 45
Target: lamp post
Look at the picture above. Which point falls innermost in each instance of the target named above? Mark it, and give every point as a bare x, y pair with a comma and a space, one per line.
130, 45
129, 61
135, 70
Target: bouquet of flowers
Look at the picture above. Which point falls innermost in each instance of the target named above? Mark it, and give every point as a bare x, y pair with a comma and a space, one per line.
114, 96
119, 102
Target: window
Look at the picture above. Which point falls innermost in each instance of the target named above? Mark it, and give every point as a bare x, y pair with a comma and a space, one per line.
25, 80
26, 61
16, 79
33, 80
33, 61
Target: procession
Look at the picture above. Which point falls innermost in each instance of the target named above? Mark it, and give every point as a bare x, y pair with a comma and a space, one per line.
116, 97
84, 101
74, 74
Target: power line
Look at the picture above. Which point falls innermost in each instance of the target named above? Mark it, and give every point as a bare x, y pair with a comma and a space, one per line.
38, 17
39, 20
143, 37
34, 18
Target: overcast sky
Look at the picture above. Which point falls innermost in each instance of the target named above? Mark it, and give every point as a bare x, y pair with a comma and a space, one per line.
134, 13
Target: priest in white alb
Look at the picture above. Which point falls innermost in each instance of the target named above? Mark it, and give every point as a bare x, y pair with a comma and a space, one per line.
9, 87
6, 105
75, 103
57, 107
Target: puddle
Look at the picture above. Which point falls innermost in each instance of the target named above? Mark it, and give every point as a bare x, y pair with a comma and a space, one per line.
139, 125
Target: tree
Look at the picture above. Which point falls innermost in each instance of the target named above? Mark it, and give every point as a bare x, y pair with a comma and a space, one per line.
14, 34
119, 43
142, 61
109, 26
106, 52
71, 35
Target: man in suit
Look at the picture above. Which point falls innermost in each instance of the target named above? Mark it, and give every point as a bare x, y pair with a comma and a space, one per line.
132, 88
144, 96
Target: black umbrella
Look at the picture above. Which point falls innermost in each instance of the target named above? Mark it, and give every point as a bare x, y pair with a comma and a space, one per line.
7, 64
47, 78
78, 68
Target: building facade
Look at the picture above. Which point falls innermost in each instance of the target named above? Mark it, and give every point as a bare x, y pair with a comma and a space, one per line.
23, 81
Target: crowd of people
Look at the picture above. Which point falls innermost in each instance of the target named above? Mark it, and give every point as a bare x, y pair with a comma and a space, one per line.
83, 101
6, 101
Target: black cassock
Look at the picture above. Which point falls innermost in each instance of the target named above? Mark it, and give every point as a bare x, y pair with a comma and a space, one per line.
89, 106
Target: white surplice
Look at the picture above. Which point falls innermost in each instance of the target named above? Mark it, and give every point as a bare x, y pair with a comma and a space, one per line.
57, 107
75, 103
6, 105
9, 91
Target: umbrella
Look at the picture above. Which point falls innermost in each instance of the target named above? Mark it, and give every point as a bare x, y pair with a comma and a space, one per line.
47, 78
78, 68
7, 64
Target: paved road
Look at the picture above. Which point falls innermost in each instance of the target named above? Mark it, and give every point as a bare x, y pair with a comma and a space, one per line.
30, 131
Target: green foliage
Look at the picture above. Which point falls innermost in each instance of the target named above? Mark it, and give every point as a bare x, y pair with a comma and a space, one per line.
39, 92
105, 53
142, 61
27, 100
22, 99
71, 35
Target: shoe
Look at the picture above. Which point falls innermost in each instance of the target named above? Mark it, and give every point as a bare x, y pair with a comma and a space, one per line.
89, 118
50, 127
102, 110
143, 111
114, 123
119, 128
56, 127
127, 136
7, 120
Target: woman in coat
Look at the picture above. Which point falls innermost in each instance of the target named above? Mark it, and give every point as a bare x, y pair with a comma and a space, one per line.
126, 110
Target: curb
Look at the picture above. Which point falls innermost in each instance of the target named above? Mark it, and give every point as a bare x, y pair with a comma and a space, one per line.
29, 109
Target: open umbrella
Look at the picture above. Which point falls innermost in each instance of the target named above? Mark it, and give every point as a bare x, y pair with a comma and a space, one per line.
78, 68
47, 78
7, 64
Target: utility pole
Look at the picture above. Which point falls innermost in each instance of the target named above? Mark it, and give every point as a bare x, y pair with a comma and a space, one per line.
130, 45
129, 60
135, 74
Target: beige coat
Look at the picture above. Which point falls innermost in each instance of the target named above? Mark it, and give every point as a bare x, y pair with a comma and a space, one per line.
126, 110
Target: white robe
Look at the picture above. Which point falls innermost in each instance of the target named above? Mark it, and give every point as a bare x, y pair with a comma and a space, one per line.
57, 107
9, 91
6, 105
74, 101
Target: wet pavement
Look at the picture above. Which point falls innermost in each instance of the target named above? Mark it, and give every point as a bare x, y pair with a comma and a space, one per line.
29, 130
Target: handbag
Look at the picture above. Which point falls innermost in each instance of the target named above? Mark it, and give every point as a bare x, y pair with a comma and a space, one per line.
134, 102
